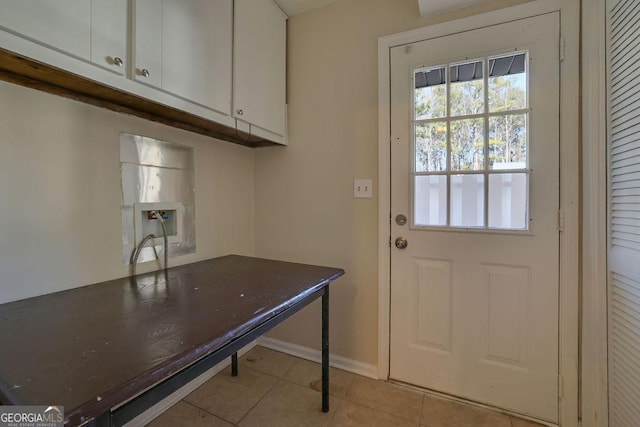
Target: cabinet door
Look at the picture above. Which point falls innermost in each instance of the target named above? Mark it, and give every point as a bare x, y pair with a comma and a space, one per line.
147, 42
184, 48
57, 24
109, 34
93, 31
259, 61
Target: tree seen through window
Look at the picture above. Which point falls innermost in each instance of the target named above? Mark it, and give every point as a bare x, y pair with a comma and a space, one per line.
461, 129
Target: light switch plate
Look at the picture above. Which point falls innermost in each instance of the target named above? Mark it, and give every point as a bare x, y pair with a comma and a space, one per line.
362, 188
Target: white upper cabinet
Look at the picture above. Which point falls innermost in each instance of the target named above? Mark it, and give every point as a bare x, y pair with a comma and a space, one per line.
109, 34
184, 48
259, 67
93, 31
224, 67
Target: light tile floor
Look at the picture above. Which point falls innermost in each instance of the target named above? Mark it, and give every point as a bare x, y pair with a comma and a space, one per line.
275, 389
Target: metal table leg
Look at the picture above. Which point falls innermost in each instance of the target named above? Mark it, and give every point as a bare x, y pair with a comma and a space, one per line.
234, 364
138, 405
325, 350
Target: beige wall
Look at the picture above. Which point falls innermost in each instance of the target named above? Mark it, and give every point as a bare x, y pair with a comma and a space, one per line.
60, 180
304, 193
60, 193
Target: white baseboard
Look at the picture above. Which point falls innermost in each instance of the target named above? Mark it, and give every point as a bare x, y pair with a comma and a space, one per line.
350, 365
156, 410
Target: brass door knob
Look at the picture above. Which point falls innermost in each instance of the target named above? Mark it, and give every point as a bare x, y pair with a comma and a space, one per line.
401, 243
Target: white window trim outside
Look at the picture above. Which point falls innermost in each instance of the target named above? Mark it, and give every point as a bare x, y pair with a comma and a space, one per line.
569, 181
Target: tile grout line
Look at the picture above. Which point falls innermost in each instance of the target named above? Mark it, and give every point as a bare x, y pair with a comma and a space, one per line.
250, 409
346, 398
424, 396
208, 412
260, 400
300, 361
380, 409
340, 400
211, 413
281, 380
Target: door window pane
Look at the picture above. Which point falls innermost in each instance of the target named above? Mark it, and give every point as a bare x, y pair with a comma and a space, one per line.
471, 143
508, 201
467, 144
430, 200
467, 200
508, 141
430, 100
467, 89
507, 83
431, 147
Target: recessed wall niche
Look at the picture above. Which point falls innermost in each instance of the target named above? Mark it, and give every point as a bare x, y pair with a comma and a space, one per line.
156, 176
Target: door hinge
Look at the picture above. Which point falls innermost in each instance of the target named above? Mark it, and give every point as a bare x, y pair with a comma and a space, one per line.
560, 220
560, 386
562, 48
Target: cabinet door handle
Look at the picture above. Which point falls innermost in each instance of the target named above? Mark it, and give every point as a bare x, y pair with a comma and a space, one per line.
144, 72
240, 112
117, 62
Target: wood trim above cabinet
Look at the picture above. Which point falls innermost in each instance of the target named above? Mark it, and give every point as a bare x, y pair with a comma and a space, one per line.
36, 75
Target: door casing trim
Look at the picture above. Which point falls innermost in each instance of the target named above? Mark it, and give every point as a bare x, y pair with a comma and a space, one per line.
594, 350
569, 182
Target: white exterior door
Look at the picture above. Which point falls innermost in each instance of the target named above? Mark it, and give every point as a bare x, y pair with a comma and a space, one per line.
475, 171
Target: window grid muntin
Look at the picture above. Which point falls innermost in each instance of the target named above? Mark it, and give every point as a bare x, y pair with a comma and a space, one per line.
486, 171
474, 116
448, 120
485, 77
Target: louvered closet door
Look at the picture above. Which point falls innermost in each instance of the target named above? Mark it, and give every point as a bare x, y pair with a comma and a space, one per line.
624, 218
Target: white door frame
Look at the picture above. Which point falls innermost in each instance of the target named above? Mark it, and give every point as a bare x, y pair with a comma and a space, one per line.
569, 181
594, 355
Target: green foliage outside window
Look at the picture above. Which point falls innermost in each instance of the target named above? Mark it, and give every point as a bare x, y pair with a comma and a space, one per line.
506, 132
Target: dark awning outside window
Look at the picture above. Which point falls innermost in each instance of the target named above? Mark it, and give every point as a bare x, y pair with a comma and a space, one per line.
502, 66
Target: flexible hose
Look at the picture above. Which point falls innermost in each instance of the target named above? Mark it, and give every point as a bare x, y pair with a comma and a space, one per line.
166, 244
138, 249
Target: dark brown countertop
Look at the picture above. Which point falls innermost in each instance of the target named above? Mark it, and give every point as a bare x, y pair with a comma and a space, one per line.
92, 348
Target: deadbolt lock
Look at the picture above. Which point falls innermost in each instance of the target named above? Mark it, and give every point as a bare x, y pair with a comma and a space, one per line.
401, 219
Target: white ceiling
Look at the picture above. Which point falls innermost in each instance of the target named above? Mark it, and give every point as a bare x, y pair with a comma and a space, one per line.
427, 7
293, 7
